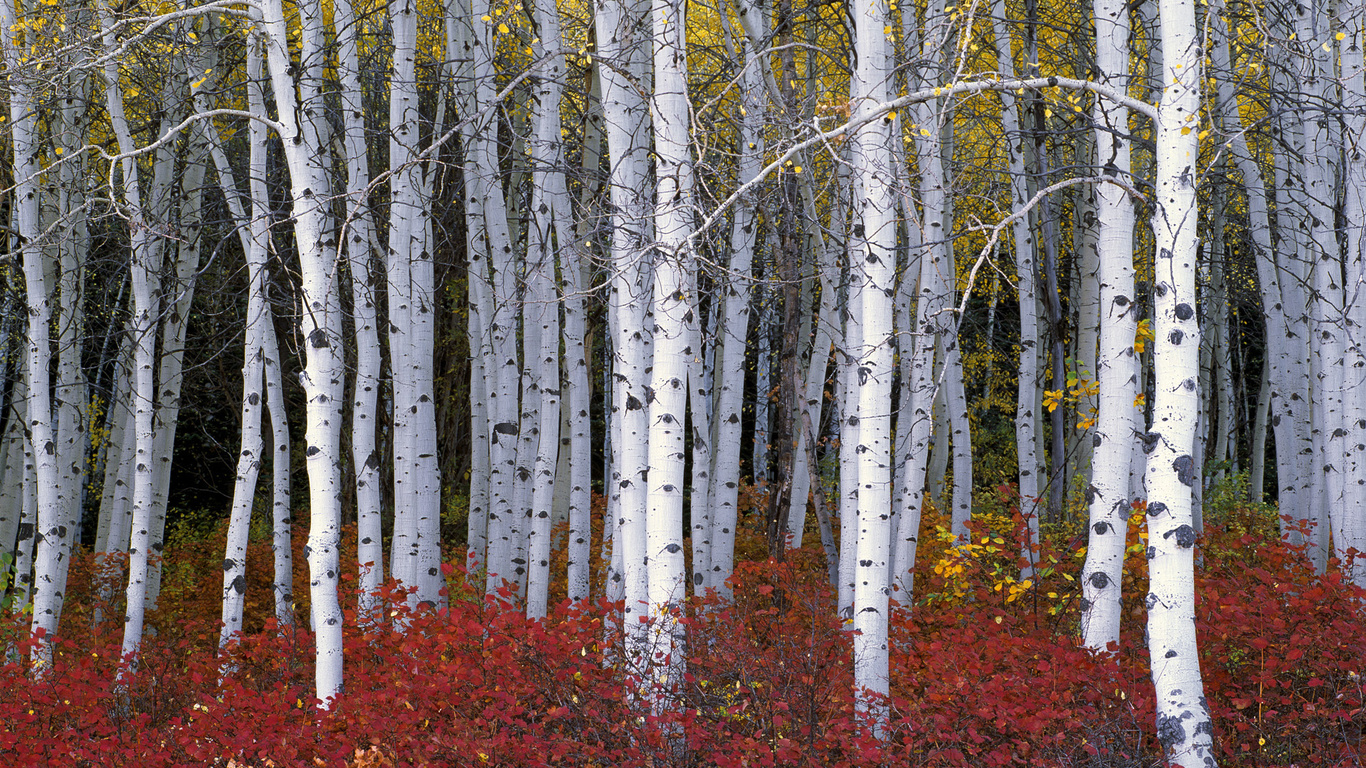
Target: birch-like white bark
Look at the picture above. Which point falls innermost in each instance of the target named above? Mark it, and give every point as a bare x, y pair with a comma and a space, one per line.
850, 412
48, 588
578, 395
1183, 720
716, 533
460, 49
674, 311
112, 529
1287, 349
1352, 530
619, 26
146, 307
873, 252
177, 299
252, 234
28, 527
542, 310
1022, 243
249, 457
72, 118
11, 490
1116, 370
306, 155
500, 318
358, 238
411, 276
806, 474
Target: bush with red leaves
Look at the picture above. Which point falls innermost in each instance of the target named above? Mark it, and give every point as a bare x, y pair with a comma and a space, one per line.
990, 677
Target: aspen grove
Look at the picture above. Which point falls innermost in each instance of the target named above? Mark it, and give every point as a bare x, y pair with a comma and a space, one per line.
518, 382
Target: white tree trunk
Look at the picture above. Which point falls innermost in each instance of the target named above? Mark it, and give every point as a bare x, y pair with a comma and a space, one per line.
112, 529
805, 472
460, 49
873, 250
300, 120
1116, 369
28, 527
146, 308
358, 238
52, 549
549, 198
12, 487
955, 399
1352, 530
674, 311
1183, 719
848, 397
1329, 339
619, 24
501, 360
716, 533
249, 459
1022, 241
177, 300
579, 389
411, 283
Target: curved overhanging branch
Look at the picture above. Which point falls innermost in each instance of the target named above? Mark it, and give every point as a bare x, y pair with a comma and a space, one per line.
966, 88
174, 133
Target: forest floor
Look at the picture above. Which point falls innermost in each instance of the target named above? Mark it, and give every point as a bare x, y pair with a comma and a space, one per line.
986, 670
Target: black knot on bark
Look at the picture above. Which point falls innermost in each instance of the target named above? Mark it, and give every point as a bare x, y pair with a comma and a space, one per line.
1170, 731
1185, 536
1185, 470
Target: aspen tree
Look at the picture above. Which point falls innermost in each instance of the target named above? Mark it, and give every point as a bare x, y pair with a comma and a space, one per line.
303, 132
1350, 40
177, 299
873, 252
1183, 719
1315, 198
411, 283
144, 269
460, 49
498, 314
48, 587
674, 309
1116, 370
573, 289
620, 27
1286, 358
358, 240
251, 213
1022, 242
551, 226
716, 533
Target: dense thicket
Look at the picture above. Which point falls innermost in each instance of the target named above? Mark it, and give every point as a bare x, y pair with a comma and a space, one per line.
442, 271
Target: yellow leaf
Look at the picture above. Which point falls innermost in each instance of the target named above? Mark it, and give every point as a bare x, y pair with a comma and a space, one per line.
503, 28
